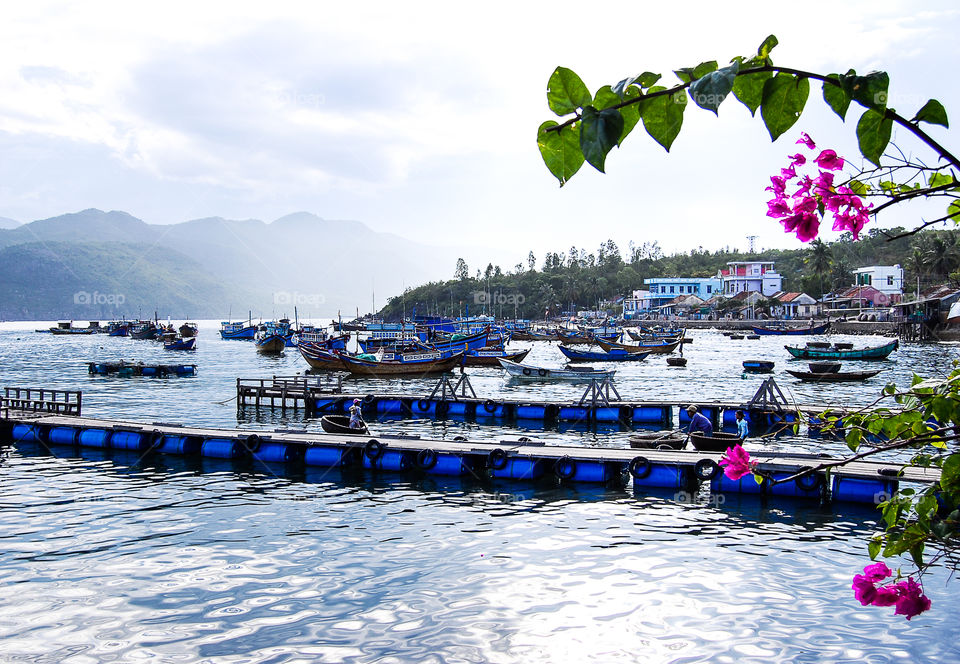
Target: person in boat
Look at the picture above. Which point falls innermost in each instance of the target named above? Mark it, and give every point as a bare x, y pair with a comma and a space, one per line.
742, 430
699, 423
356, 415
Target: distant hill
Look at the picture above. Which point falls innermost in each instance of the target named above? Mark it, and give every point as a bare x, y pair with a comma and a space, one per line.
207, 267
8, 223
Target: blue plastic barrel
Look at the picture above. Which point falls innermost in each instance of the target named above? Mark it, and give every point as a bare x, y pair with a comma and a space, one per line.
853, 490
424, 407
275, 453
149, 371
327, 456
490, 409
327, 405
221, 448
651, 414
606, 415
129, 440
95, 438
62, 436
810, 486
390, 406
670, 477
531, 412
184, 445
595, 471
389, 460
520, 469
186, 370
730, 417
456, 408
28, 433
574, 414
746, 484
449, 464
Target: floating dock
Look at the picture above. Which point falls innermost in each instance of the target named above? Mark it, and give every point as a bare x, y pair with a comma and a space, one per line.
600, 404
123, 368
521, 459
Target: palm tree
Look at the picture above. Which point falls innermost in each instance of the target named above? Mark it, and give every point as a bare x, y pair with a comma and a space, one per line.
819, 259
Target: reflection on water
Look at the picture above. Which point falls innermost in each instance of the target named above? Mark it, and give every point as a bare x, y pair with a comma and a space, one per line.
110, 557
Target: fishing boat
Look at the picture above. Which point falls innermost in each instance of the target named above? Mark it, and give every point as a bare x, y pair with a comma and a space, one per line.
758, 366
402, 363
238, 331
677, 361
118, 328
320, 341
570, 374
832, 376
583, 338
181, 344
320, 358
642, 347
188, 330
615, 355
144, 330
68, 328
779, 329
656, 440
652, 334
718, 441
535, 335
340, 424
271, 337
490, 357
824, 367
871, 353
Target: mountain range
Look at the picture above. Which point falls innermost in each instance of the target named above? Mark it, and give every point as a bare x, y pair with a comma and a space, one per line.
102, 265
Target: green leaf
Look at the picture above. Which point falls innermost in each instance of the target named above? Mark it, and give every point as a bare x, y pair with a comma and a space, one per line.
644, 80
599, 133
860, 189
873, 548
869, 90
853, 438
758, 478
560, 150
606, 97
748, 89
950, 473
687, 74
768, 45
784, 97
709, 91
566, 92
937, 179
873, 134
932, 112
836, 97
663, 116
954, 210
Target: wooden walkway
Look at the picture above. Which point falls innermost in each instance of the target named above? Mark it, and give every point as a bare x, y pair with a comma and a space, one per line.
522, 459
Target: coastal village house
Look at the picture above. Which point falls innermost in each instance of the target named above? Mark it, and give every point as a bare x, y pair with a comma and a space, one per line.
795, 305
887, 279
662, 290
746, 276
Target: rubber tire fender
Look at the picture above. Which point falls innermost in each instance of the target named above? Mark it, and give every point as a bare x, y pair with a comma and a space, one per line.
706, 469
497, 459
252, 442
565, 468
373, 449
639, 467
490, 405
426, 459
810, 482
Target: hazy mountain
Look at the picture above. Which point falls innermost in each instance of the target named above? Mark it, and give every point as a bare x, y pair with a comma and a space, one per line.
8, 223
209, 267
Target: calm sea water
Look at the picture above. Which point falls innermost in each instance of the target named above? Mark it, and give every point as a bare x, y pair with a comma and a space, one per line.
109, 557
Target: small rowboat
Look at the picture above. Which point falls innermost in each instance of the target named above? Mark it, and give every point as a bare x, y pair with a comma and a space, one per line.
570, 374
677, 361
758, 366
833, 377
615, 355
672, 440
824, 367
819, 329
642, 347
341, 424
873, 353
181, 344
716, 442
490, 357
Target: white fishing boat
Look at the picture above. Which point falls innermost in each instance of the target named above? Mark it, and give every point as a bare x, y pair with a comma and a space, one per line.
532, 372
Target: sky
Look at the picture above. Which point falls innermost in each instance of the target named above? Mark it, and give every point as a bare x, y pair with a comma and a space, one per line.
420, 118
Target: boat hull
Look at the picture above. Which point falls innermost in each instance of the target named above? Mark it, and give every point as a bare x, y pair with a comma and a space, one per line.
612, 356
770, 331
487, 358
833, 377
875, 353
398, 368
530, 372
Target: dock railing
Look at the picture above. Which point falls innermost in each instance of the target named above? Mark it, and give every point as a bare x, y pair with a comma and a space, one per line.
40, 400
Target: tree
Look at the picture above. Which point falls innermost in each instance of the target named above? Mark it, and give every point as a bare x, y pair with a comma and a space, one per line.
462, 272
531, 262
819, 261
926, 414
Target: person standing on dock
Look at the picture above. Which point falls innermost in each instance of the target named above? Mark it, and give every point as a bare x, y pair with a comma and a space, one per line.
356, 415
699, 423
742, 430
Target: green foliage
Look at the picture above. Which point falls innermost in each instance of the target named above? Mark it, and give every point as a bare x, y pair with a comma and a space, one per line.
663, 116
784, 97
566, 92
599, 133
932, 112
873, 134
560, 150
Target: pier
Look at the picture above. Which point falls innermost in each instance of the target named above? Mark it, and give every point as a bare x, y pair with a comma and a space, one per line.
600, 403
508, 459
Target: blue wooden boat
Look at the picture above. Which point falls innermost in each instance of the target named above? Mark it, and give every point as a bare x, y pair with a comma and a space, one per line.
144, 330
819, 329
188, 330
271, 337
589, 338
320, 358
407, 363
123, 368
118, 328
490, 357
453, 344
239, 330
181, 344
615, 355
319, 340
873, 353
664, 346
758, 366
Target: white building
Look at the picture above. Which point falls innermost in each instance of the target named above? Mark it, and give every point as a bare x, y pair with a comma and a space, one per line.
747, 276
888, 279
636, 303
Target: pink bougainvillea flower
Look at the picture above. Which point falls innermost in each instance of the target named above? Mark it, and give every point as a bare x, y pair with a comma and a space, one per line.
806, 140
789, 172
824, 182
806, 204
737, 462
886, 596
778, 185
797, 159
877, 571
912, 601
778, 207
829, 160
803, 187
864, 591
